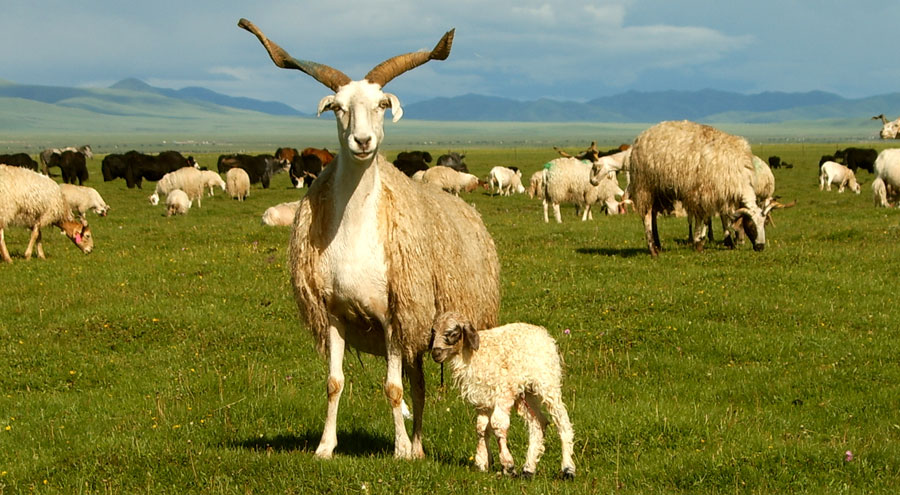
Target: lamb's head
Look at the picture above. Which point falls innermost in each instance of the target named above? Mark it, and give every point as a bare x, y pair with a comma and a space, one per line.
452, 335
358, 106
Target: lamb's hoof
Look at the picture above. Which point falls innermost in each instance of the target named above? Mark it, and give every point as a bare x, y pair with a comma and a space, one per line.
527, 475
509, 471
568, 474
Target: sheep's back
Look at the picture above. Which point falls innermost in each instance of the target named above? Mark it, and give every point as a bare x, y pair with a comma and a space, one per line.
566, 180
28, 198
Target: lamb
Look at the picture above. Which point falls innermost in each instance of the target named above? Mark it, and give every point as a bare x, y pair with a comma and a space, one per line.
281, 214
211, 179
29, 199
506, 180
83, 198
497, 368
177, 203
835, 173
886, 186
450, 180
367, 262
237, 183
188, 179
536, 185
568, 180
709, 171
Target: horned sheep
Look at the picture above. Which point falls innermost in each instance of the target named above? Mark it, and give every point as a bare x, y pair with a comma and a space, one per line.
237, 183
281, 214
709, 171
498, 368
177, 203
84, 198
365, 265
835, 173
31, 200
886, 186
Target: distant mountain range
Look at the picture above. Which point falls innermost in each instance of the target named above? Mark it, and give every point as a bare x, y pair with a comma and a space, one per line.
137, 105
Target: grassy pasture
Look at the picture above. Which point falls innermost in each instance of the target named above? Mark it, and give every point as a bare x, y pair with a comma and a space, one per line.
172, 360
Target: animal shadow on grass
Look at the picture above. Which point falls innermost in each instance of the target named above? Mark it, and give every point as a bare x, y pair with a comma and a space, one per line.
619, 252
354, 443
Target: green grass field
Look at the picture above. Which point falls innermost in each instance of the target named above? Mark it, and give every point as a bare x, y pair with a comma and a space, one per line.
172, 359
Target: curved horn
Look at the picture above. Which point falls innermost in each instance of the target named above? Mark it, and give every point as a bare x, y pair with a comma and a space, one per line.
326, 75
393, 67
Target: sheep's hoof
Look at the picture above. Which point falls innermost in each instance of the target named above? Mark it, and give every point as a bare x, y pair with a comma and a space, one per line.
527, 475
509, 471
568, 474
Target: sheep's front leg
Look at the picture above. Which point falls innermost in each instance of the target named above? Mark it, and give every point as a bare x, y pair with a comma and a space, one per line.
649, 219
393, 390
4, 253
546, 219
35, 238
416, 377
500, 425
334, 388
483, 429
556, 214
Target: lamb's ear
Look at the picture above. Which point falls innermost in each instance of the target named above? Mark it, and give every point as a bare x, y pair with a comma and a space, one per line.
471, 336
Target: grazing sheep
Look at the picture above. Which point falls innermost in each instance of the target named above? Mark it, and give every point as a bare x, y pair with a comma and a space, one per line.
31, 200
835, 173
886, 186
506, 180
281, 214
450, 180
709, 171
83, 198
373, 257
177, 203
212, 180
498, 368
568, 180
187, 179
237, 183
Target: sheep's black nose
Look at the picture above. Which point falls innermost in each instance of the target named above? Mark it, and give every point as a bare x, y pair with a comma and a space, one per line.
759, 247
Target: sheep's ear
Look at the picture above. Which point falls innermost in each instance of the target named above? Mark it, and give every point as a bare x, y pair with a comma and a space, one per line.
326, 103
471, 336
396, 110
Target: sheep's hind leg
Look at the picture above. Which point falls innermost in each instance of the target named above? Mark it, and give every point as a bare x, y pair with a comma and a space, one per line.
35, 238
334, 388
393, 390
417, 387
530, 409
557, 410
4, 253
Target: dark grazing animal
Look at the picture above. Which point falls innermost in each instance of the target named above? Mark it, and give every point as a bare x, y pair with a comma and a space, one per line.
19, 160
72, 164
453, 160
113, 167
260, 168
856, 158
410, 162
775, 162
139, 166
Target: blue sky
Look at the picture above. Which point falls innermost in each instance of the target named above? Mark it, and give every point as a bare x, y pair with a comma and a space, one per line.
567, 50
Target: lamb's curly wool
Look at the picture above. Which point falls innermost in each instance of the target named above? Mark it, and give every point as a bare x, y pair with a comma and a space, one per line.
31, 200
494, 369
436, 262
84, 198
237, 183
709, 171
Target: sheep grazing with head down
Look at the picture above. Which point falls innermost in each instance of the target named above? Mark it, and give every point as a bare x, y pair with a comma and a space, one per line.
211, 180
709, 171
506, 180
84, 198
29, 199
364, 263
498, 368
177, 203
187, 179
450, 180
568, 180
836, 173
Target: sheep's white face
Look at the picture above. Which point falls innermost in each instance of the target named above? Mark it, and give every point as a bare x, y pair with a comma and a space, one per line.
754, 224
359, 108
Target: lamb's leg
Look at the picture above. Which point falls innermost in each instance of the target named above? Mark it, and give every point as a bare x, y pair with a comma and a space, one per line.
500, 425
393, 390
530, 409
557, 410
35, 232
4, 253
334, 388
483, 429
416, 377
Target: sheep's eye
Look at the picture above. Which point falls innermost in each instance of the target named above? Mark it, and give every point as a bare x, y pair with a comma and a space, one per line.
385, 104
453, 337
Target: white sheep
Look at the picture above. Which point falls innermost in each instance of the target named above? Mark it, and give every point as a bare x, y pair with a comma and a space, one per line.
237, 183
418, 176
212, 180
31, 200
568, 180
281, 214
374, 257
450, 180
506, 180
836, 173
709, 171
84, 198
497, 368
886, 186
177, 203
187, 179
889, 130
536, 185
